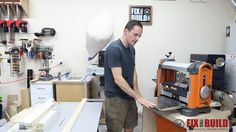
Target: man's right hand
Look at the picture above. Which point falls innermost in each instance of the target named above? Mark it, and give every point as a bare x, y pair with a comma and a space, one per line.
145, 102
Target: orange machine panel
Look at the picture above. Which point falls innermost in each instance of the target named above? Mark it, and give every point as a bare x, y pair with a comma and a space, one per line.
197, 82
165, 125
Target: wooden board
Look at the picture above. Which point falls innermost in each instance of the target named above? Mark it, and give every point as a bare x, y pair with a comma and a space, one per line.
74, 116
25, 98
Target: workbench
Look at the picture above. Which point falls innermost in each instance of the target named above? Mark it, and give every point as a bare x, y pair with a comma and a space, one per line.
87, 121
161, 121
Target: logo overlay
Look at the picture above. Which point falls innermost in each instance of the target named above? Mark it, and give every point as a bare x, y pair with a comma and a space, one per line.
204, 124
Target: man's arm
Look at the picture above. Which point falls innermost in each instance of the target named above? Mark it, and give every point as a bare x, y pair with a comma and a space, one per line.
121, 82
141, 99
135, 83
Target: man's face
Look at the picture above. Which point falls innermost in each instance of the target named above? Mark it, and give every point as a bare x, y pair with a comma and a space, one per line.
133, 35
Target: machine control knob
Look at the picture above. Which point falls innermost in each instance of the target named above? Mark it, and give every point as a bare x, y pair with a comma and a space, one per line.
220, 62
205, 92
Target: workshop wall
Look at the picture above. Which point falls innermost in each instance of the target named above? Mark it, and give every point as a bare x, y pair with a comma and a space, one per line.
180, 26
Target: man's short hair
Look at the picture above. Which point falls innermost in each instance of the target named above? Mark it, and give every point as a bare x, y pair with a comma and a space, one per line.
130, 25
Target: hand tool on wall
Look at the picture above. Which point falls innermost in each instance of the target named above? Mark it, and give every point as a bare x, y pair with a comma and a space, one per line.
46, 53
20, 24
23, 45
30, 49
3, 26
16, 67
3, 31
36, 43
11, 24
46, 32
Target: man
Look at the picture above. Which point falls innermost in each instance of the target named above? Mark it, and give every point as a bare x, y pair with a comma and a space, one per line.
121, 83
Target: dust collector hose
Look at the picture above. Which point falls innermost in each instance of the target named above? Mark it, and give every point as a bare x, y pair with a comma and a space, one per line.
225, 100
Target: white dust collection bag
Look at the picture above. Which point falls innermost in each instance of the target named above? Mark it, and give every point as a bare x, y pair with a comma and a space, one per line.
99, 33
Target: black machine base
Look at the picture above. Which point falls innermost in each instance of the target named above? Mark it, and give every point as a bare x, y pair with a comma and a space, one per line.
193, 112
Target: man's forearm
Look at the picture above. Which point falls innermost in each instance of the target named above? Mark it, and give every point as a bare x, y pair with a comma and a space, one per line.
126, 88
121, 82
135, 83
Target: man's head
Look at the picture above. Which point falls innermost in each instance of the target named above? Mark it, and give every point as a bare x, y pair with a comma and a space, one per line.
132, 32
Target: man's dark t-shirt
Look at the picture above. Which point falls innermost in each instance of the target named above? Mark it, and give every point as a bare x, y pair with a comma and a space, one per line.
117, 55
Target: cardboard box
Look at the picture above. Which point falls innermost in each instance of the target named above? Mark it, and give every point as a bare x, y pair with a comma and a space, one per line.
70, 92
